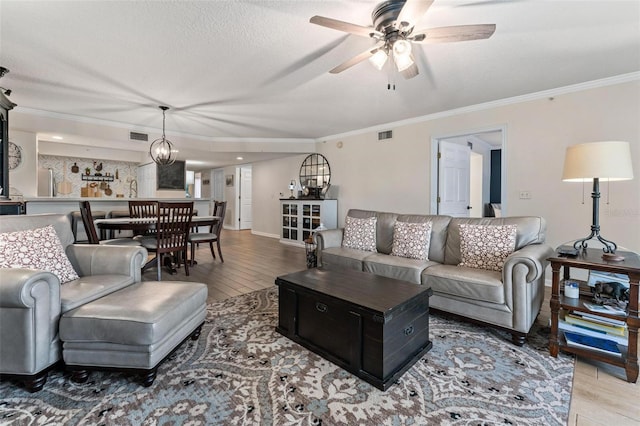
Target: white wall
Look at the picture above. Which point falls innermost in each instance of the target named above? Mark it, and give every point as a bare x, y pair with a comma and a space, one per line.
270, 180
24, 178
475, 185
395, 175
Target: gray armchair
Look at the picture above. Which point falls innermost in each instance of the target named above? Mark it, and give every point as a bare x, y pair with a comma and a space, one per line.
31, 301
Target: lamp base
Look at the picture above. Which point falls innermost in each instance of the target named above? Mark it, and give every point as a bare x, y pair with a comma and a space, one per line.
609, 246
612, 257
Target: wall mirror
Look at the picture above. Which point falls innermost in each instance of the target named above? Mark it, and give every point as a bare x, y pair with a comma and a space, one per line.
315, 175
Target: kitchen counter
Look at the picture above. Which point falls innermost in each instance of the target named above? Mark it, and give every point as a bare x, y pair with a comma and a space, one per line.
66, 205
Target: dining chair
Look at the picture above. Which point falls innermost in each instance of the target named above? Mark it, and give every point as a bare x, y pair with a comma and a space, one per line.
143, 209
219, 209
92, 234
172, 232
139, 208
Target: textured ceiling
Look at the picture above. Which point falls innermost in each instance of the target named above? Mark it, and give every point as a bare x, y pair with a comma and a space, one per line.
258, 69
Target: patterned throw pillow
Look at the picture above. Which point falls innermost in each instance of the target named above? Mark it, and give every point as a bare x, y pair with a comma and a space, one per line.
411, 240
486, 246
360, 233
36, 249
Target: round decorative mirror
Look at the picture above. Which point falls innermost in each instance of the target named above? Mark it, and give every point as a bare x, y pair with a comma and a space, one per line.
315, 175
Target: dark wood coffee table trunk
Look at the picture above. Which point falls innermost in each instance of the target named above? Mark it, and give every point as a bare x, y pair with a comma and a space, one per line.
372, 326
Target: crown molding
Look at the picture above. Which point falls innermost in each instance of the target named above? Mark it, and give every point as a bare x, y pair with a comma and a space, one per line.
594, 84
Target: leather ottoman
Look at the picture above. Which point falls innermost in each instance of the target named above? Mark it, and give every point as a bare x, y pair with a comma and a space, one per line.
133, 329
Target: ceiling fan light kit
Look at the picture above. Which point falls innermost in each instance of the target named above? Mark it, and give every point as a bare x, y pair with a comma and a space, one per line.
393, 29
161, 150
403, 61
379, 59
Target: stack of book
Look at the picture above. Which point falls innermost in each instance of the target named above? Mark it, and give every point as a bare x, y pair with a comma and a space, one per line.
603, 334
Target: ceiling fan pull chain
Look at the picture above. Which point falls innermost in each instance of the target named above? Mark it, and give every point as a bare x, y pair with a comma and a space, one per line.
391, 79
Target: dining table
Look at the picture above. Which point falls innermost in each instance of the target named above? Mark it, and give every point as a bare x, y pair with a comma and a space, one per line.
142, 224
145, 223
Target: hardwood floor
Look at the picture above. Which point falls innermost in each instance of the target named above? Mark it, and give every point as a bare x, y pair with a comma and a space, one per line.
600, 394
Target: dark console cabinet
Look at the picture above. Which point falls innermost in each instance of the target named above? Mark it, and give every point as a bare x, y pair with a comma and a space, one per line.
12, 207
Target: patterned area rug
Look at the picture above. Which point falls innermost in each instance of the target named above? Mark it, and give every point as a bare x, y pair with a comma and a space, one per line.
241, 371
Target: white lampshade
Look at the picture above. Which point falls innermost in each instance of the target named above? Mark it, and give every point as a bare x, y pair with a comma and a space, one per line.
402, 54
379, 59
401, 48
609, 160
403, 62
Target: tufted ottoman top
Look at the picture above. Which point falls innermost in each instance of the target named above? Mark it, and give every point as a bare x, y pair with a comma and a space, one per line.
140, 314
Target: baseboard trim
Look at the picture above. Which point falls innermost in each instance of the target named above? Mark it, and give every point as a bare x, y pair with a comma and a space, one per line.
265, 234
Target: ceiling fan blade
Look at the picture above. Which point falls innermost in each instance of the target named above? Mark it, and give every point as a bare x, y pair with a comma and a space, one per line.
410, 72
412, 11
346, 27
357, 59
455, 33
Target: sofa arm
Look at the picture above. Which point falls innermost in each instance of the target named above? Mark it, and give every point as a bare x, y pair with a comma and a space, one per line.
95, 259
523, 280
533, 257
326, 239
29, 313
19, 287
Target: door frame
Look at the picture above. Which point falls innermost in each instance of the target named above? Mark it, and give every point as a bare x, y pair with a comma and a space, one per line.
433, 203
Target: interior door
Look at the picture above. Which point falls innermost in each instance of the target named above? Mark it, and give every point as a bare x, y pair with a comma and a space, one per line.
245, 196
217, 192
453, 179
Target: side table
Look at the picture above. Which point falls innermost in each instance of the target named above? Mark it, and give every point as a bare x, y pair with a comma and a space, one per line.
591, 259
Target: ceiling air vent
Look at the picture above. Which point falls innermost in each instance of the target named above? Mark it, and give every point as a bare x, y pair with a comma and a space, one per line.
388, 134
136, 136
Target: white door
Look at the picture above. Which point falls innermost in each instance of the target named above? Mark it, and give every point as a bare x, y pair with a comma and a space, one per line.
244, 194
453, 179
217, 192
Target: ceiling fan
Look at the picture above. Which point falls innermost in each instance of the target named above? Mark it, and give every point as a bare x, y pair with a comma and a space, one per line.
394, 32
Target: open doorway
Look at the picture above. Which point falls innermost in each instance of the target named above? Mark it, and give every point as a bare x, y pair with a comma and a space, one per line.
468, 175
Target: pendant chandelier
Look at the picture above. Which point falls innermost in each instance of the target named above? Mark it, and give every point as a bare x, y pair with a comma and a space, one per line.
161, 150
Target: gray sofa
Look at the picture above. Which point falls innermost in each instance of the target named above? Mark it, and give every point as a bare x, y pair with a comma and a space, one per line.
510, 299
32, 301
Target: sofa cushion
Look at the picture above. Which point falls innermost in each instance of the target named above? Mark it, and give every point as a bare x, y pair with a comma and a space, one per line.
87, 289
486, 246
468, 283
60, 222
384, 227
360, 234
411, 240
344, 257
38, 248
438, 239
531, 230
396, 267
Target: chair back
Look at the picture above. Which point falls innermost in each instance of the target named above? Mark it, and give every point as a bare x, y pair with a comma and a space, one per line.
219, 209
173, 227
142, 209
87, 221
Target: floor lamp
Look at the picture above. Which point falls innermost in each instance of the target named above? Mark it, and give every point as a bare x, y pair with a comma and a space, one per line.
584, 162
